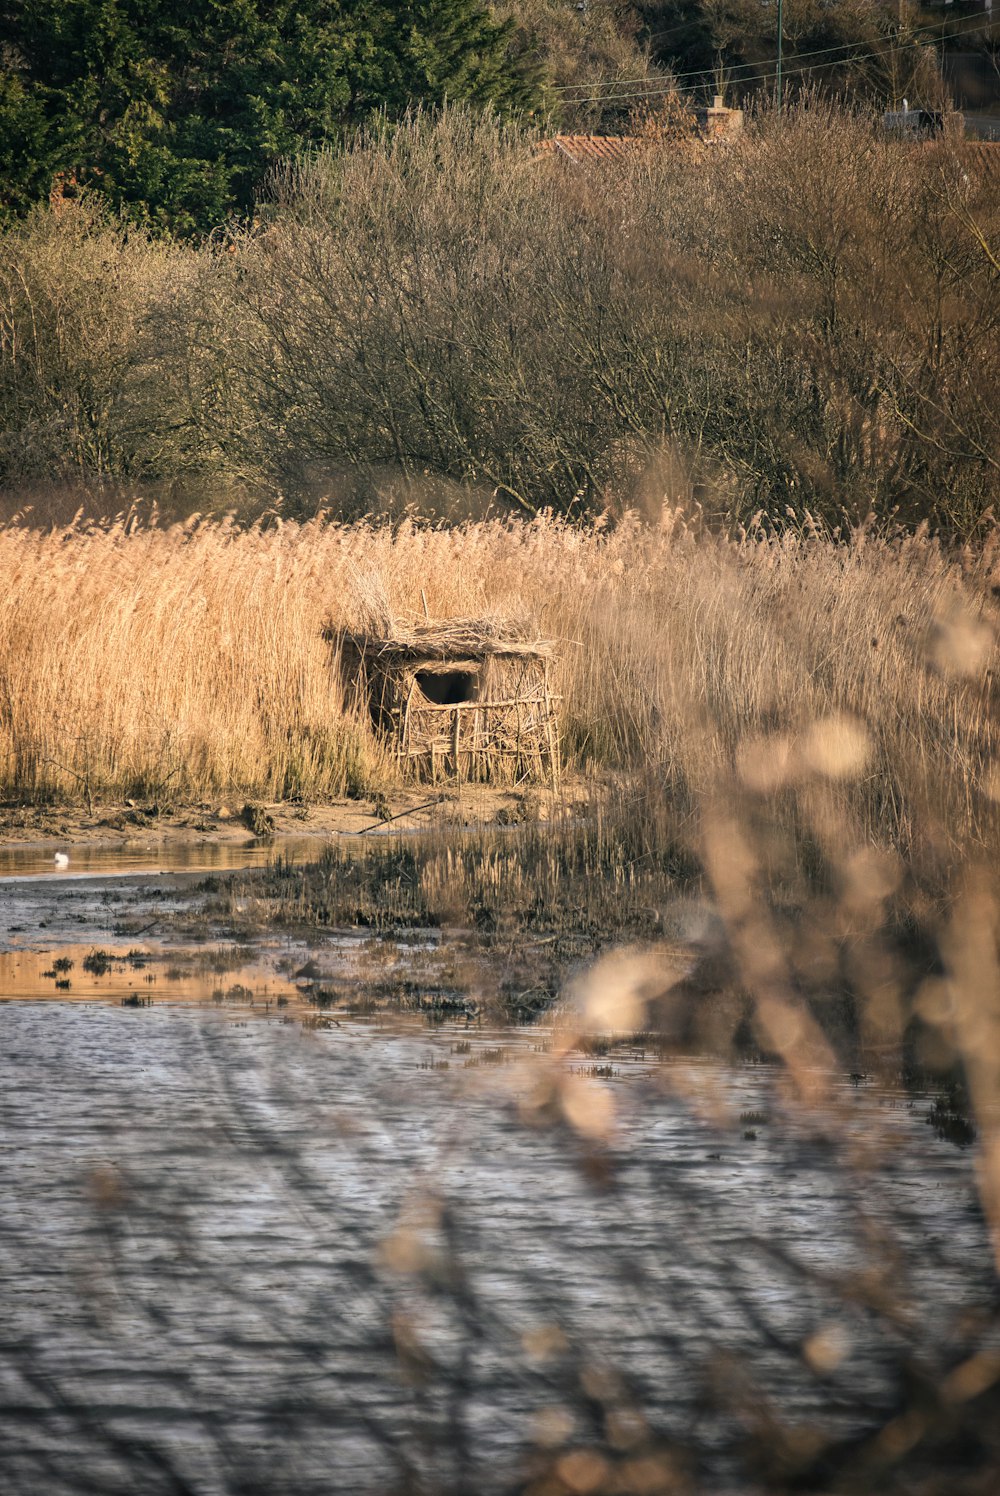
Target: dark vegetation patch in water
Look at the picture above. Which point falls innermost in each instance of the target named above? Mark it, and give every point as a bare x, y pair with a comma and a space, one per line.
494, 925
950, 1115
519, 909
578, 878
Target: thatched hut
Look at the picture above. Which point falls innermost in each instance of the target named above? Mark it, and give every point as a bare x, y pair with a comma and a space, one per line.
463, 698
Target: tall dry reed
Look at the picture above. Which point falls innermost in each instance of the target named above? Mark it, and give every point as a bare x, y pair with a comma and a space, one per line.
190, 660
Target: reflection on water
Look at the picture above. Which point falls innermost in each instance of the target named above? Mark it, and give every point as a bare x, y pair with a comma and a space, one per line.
116, 973
151, 855
243, 1256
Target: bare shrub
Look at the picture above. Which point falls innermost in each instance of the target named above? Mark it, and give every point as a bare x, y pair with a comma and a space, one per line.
440, 316
804, 313
76, 292
880, 288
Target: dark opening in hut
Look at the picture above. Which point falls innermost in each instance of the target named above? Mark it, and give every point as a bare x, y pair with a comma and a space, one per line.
464, 698
446, 687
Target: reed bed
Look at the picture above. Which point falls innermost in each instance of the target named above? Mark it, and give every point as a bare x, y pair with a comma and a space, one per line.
185, 661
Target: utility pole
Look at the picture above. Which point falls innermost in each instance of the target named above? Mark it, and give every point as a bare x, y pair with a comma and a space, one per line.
781, 6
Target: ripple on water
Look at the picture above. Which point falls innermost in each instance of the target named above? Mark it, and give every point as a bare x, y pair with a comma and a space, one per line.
192, 1255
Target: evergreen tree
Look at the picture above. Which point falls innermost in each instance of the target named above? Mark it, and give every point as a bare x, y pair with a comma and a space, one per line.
177, 113
451, 49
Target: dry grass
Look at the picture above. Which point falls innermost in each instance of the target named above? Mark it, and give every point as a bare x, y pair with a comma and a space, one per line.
182, 661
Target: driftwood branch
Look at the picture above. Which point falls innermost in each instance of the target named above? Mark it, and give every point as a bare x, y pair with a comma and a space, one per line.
411, 810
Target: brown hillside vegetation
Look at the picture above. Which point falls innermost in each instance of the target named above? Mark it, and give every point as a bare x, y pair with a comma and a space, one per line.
441, 315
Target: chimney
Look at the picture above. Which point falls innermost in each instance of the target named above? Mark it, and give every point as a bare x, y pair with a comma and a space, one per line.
719, 123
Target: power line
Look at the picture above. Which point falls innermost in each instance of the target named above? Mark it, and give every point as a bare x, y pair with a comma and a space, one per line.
763, 71
926, 34
759, 77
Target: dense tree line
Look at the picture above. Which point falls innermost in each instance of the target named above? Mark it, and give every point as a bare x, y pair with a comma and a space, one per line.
178, 112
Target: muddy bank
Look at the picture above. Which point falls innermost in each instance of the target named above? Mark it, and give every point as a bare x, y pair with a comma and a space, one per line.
231, 820
160, 894
145, 939
495, 924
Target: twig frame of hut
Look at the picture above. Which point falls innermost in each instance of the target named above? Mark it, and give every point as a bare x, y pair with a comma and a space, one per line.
462, 699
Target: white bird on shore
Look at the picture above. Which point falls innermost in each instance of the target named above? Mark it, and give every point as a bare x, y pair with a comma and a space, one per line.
61, 860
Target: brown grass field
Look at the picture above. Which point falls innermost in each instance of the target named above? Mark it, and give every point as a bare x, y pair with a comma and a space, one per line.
185, 661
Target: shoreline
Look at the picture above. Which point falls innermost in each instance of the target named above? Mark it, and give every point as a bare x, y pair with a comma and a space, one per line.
223, 820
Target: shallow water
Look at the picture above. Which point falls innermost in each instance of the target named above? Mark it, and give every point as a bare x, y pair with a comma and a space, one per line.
152, 855
105, 905
147, 974
195, 1286
198, 1295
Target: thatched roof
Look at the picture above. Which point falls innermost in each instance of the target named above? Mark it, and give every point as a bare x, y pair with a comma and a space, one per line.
447, 639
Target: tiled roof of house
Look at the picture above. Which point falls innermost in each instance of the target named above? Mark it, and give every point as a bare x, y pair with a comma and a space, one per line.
616, 150
690, 133
582, 148
982, 155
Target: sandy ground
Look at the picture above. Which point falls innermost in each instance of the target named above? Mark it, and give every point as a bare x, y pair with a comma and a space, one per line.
221, 821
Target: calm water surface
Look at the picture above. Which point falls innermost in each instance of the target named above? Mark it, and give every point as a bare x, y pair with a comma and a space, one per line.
241, 1253
152, 855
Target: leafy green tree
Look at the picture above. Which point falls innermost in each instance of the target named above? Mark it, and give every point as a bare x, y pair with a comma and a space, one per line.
451, 49
177, 113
